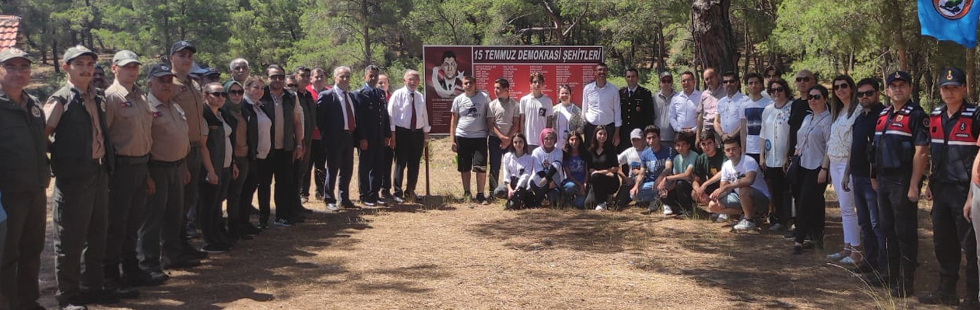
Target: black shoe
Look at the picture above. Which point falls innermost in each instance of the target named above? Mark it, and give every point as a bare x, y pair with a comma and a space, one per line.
969, 303
901, 290
348, 205
797, 249
246, 237
193, 252
790, 234
124, 292
102, 297
251, 230
482, 199
216, 248
864, 267
938, 298
182, 263
143, 278
874, 280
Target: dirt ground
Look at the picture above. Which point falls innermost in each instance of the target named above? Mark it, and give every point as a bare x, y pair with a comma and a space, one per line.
447, 254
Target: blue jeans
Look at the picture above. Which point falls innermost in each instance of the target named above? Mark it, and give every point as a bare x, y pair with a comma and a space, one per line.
570, 190
873, 239
646, 193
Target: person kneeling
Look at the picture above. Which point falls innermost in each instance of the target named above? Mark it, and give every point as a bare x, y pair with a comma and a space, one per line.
742, 189
517, 164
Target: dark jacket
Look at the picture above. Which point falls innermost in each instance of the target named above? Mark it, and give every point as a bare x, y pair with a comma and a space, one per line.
23, 146
331, 117
216, 137
251, 124
288, 104
372, 112
309, 116
71, 151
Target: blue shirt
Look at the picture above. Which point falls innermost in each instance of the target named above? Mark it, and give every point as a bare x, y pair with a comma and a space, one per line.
863, 133
576, 167
655, 162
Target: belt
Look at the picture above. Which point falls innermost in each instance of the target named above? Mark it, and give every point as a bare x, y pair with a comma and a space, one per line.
406, 129
160, 163
132, 160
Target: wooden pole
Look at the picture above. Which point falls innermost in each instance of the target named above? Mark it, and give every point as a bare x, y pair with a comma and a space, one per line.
426, 150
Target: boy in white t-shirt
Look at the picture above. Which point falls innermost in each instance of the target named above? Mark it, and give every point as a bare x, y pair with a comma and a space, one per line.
750, 116
743, 190
536, 111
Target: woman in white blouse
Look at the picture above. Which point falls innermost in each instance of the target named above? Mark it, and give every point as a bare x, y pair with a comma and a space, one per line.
843, 112
517, 164
812, 149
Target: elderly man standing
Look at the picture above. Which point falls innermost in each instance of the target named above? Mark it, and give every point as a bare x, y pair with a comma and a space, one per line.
81, 159
339, 121
24, 176
409, 133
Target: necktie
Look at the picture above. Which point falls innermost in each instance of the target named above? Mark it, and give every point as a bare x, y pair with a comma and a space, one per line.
631, 94
350, 113
412, 105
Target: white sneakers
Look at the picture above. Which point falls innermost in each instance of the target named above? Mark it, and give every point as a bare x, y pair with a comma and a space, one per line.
600, 207
744, 225
668, 210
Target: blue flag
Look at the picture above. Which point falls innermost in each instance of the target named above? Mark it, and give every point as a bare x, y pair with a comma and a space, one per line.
951, 20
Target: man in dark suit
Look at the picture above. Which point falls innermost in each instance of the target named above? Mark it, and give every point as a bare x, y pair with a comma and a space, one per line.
339, 127
636, 104
375, 136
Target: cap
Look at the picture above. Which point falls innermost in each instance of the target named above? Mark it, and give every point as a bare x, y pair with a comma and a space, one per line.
664, 74
180, 45
76, 51
899, 75
636, 134
197, 69
125, 57
210, 71
13, 52
159, 70
952, 76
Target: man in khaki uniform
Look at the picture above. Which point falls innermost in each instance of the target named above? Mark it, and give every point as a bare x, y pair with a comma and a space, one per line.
81, 159
168, 174
129, 120
24, 177
187, 94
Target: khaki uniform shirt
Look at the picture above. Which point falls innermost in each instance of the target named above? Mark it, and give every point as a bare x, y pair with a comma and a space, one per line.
188, 95
170, 142
129, 120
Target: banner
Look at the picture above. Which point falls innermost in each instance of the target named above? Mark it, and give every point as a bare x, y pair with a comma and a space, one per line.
950, 20
446, 65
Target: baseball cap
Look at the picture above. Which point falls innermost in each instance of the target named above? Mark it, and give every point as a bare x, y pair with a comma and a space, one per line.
899, 75
636, 134
76, 51
125, 57
664, 74
159, 70
180, 45
13, 52
952, 76
198, 70
210, 72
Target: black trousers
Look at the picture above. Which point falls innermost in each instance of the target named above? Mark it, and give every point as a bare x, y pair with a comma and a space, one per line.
781, 195
370, 170
899, 221
340, 165
680, 196
127, 199
953, 237
159, 234
80, 215
811, 208
278, 164
318, 162
238, 204
408, 154
209, 209
603, 186
496, 157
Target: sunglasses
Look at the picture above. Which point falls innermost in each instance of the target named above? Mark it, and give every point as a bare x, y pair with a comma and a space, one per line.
803, 79
815, 97
277, 76
769, 76
841, 86
667, 81
236, 92
218, 94
292, 85
776, 90
729, 81
866, 94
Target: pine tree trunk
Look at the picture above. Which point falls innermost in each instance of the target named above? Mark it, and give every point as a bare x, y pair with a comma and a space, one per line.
714, 42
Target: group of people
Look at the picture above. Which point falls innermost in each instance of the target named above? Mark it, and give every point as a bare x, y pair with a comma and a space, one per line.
139, 170
135, 169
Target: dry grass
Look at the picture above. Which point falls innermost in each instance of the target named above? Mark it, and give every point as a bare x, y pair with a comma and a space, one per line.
451, 255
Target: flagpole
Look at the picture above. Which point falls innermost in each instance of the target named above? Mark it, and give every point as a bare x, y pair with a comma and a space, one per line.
971, 80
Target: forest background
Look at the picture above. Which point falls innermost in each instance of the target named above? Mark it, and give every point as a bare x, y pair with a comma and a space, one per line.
829, 37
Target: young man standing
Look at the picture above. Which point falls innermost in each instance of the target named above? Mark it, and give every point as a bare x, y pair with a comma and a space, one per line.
750, 115
504, 121
536, 112
468, 129
729, 108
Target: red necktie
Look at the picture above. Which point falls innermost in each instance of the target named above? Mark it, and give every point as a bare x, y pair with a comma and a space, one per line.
350, 113
412, 124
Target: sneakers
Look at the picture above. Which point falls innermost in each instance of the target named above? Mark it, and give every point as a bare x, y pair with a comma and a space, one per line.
938, 298
721, 218
282, 223
369, 203
776, 227
72, 306
744, 225
600, 207
332, 207
668, 211
482, 199
399, 199
216, 248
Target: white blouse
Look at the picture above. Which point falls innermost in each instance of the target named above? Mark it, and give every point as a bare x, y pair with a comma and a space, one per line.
841, 135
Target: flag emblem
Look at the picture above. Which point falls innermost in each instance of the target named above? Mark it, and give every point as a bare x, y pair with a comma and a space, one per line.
952, 9
949, 74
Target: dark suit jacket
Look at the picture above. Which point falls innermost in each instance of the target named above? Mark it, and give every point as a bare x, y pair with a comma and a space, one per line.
637, 110
330, 116
372, 112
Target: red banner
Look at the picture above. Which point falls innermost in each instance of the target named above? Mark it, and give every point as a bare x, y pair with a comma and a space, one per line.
446, 65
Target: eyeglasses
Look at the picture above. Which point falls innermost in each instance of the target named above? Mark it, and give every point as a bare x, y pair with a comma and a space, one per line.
803, 79
776, 90
841, 86
236, 92
292, 85
277, 77
729, 82
218, 94
815, 97
866, 94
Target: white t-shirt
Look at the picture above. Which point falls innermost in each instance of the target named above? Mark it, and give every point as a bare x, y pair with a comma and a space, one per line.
731, 173
265, 132
751, 112
774, 134
513, 166
545, 158
536, 112
631, 157
729, 109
